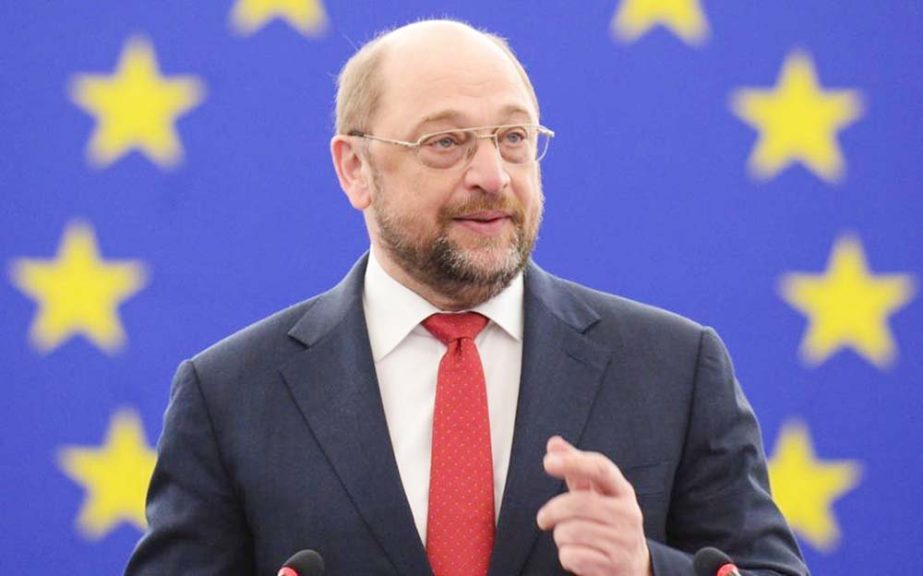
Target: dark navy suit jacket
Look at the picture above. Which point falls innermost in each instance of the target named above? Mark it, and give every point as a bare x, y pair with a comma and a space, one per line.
275, 440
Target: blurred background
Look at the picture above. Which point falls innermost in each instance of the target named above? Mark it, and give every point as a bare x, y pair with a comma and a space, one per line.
757, 166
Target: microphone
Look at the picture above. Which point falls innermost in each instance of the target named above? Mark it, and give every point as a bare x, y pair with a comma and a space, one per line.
304, 563
713, 562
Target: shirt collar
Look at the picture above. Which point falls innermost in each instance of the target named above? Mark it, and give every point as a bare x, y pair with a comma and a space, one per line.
392, 311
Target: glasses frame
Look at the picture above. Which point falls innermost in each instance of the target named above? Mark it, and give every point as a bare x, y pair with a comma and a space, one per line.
492, 135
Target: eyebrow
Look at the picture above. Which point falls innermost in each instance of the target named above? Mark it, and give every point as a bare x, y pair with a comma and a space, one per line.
459, 117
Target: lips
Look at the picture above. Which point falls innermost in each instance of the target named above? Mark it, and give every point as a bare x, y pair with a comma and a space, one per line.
484, 222
484, 216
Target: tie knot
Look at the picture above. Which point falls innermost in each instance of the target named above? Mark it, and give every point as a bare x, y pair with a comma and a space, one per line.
451, 327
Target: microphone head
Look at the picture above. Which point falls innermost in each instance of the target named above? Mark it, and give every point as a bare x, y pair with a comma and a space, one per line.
709, 560
304, 563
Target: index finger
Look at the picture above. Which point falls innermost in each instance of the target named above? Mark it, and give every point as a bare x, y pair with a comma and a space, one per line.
560, 445
592, 469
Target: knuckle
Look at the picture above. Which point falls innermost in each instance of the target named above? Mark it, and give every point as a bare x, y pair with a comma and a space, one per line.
569, 558
633, 513
630, 491
561, 535
549, 513
603, 468
637, 516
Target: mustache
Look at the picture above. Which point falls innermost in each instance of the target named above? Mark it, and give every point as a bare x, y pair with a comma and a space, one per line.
484, 203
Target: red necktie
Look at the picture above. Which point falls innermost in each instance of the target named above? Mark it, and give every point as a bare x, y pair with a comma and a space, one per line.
460, 522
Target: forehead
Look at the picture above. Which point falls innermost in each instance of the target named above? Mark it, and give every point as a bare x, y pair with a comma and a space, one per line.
450, 77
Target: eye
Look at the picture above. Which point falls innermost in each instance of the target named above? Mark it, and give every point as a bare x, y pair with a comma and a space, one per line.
445, 141
514, 136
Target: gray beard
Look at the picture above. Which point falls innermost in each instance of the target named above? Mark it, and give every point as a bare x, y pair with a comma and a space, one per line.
448, 270
445, 267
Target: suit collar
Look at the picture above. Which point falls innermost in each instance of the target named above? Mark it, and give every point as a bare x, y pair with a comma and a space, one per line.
558, 299
328, 310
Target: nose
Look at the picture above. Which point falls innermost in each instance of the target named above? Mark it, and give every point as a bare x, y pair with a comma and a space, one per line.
487, 169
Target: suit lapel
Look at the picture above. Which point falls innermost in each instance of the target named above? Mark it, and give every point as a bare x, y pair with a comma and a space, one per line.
561, 372
334, 385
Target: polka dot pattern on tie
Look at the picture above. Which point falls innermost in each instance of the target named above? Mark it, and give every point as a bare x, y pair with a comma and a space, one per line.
460, 523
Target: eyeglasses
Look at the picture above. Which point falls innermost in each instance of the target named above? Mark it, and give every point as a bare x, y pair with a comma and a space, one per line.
516, 143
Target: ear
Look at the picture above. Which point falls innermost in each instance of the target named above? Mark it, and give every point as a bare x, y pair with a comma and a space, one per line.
352, 170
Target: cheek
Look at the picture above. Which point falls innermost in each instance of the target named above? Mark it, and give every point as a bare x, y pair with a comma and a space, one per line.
416, 203
528, 191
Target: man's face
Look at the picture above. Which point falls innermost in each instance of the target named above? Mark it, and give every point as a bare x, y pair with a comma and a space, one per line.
463, 232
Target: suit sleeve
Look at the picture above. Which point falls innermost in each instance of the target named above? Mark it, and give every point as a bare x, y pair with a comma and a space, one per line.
195, 522
721, 493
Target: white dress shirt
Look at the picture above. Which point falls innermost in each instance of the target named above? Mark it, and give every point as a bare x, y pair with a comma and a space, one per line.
407, 361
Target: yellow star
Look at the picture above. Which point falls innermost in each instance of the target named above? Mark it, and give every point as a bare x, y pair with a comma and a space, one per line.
306, 16
77, 292
136, 107
685, 18
114, 475
848, 306
804, 487
797, 121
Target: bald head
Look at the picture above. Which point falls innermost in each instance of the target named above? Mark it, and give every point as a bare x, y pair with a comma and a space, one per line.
390, 60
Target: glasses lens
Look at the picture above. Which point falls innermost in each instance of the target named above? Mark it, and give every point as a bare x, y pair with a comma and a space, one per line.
445, 149
517, 144
522, 144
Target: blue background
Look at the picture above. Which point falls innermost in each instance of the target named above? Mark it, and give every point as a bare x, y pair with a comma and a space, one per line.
647, 190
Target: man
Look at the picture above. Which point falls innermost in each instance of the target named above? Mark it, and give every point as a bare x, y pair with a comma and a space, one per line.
547, 427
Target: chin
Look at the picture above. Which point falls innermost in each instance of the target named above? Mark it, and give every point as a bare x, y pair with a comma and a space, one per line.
486, 265
494, 261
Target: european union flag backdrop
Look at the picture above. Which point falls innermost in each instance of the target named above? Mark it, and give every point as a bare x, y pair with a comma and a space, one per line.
757, 166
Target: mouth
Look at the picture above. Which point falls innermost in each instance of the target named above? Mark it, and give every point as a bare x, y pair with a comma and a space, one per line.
486, 222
